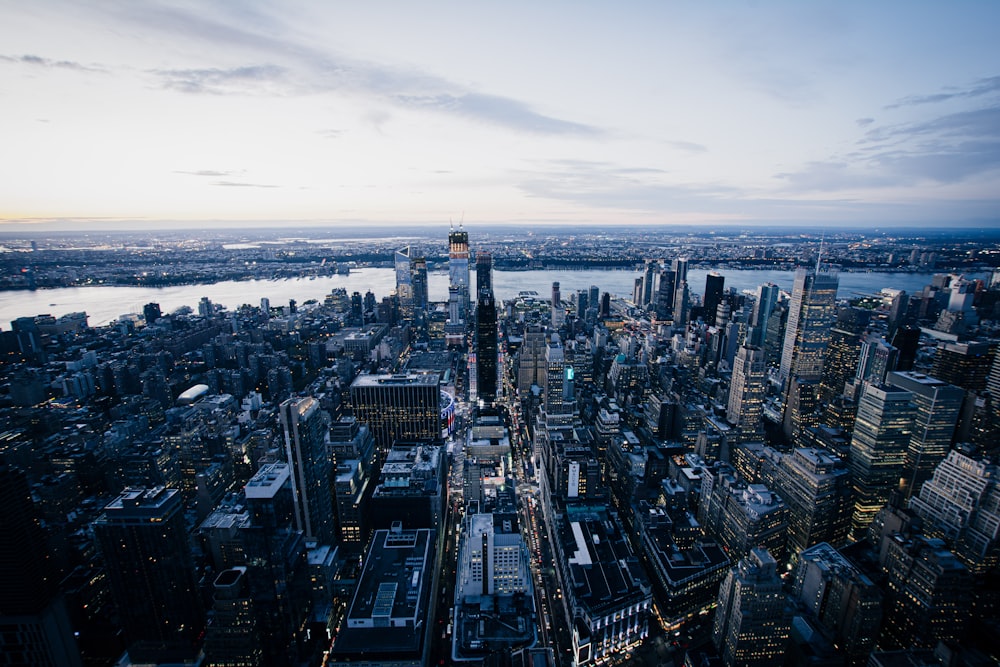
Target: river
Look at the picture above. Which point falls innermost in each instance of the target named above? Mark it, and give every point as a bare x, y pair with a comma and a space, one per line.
105, 304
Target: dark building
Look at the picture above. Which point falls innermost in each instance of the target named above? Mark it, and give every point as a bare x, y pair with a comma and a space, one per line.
487, 346
403, 407
714, 286
34, 625
304, 426
412, 487
148, 561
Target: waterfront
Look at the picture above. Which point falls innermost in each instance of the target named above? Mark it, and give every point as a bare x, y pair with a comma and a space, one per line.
105, 304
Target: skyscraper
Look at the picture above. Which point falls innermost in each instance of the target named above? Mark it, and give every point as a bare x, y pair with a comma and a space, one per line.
418, 269
34, 625
558, 314
663, 298
746, 393
878, 450
762, 309
397, 407
750, 627
810, 316
303, 425
147, 557
816, 486
841, 362
714, 284
404, 277
938, 406
458, 268
487, 347
844, 601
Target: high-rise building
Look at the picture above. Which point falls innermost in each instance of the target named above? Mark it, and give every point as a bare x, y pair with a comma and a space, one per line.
841, 361
682, 304
34, 624
404, 279
750, 628
762, 309
746, 393
810, 315
882, 431
663, 298
714, 285
816, 486
402, 407
875, 360
802, 405
418, 278
558, 314
484, 271
531, 360
304, 426
487, 347
494, 558
353, 450
929, 597
965, 365
458, 268
231, 637
842, 600
647, 293
961, 504
147, 556
938, 406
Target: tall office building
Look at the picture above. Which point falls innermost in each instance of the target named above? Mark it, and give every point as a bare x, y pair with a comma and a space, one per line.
682, 305
398, 407
531, 360
762, 309
487, 345
881, 437
662, 300
147, 557
558, 314
876, 359
961, 504
842, 600
929, 597
304, 426
810, 315
353, 450
458, 268
404, 277
34, 624
938, 406
714, 285
680, 268
484, 271
232, 638
750, 628
966, 365
816, 486
746, 393
841, 361
647, 290
802, 403
418, 269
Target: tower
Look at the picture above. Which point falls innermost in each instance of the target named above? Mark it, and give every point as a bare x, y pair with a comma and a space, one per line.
938, 406
714, 283
762, 309
807, 334
558, 314
487, 346
304, 424
750, 628
404, 280
746, 393
147, 557
418, 269
878, 449
458, 268
36, 626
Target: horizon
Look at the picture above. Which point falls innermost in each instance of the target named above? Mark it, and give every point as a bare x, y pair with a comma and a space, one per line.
174, 115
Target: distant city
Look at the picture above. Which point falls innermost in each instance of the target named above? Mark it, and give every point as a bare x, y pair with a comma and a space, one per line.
500, 447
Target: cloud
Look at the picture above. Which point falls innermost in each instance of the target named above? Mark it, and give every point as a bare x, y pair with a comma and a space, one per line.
864, 122
496, 110
688, 146
292, 67
251, 79
38, 61
237, 184
208, 172
980, 88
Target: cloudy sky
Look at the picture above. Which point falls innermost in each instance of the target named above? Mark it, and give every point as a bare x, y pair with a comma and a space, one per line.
812, 113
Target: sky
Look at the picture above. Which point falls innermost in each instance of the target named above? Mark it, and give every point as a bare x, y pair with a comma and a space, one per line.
148, 114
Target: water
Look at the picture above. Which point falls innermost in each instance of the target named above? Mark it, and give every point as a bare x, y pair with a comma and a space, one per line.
106, 304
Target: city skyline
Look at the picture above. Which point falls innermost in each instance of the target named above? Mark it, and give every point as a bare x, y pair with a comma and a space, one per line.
170, 114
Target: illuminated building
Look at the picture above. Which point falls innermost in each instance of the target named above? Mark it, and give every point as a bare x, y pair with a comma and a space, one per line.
458, 270
881, 437
750, 628
746, 393
811, 313
817, 489
938, 406
402, 407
